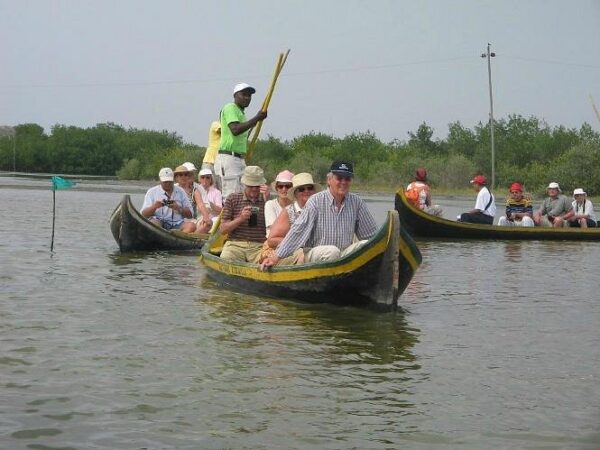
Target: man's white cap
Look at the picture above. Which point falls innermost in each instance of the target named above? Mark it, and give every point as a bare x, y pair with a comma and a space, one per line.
165, 174
553, 185
190, 166
243, 86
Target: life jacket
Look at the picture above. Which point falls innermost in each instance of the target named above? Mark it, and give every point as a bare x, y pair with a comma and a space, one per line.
413, 194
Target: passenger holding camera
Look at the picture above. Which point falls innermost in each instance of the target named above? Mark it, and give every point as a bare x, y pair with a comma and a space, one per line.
243, 218
167, 205
556, 209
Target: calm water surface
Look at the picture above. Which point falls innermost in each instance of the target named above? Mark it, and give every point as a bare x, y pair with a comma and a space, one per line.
498, 346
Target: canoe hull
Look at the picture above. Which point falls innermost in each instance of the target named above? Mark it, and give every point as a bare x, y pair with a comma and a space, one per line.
419, 223
374, 275
133, 232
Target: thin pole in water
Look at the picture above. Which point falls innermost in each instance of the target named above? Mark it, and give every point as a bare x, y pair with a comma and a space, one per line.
53, 217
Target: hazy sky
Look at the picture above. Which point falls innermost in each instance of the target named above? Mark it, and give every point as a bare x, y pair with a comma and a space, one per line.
384, 66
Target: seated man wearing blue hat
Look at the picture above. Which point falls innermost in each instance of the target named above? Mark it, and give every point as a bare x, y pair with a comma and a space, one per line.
329, 221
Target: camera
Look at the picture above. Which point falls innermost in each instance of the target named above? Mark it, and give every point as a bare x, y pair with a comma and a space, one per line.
168, 202
253, 220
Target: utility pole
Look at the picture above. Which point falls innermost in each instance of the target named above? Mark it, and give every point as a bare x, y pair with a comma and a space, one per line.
490, 55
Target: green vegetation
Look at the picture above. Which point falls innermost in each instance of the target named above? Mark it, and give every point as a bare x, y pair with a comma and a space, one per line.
527, 150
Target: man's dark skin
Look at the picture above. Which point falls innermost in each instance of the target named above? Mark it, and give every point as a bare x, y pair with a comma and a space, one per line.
242, 100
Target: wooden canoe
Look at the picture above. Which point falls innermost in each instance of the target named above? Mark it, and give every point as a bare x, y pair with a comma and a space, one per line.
374, 275
419, 223
132, 231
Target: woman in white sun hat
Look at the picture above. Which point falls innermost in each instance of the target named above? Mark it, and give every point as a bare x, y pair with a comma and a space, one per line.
583, 211
281, 185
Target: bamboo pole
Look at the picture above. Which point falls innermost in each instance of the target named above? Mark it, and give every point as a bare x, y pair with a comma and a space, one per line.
278, 68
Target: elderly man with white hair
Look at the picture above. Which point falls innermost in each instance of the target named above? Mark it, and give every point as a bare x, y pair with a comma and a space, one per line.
329, 222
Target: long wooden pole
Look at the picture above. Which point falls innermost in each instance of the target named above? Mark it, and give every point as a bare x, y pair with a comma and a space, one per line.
53, 217
278, 68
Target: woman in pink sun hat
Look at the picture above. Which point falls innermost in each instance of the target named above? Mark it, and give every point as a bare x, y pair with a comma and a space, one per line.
281, 185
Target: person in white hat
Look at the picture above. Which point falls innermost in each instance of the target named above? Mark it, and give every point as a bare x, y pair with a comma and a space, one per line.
555, 210
230, 162
281, 185
167, 205
243, 218
583, 215
303, 187
210, 197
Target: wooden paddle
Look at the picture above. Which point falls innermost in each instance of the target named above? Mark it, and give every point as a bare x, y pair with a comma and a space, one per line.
278, 68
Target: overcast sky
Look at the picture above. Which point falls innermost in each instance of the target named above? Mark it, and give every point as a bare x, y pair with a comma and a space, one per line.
384, 66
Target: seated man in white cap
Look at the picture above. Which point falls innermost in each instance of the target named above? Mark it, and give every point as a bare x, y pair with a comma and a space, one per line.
555, 210
230, 161
167, 205
329, 222
243, 219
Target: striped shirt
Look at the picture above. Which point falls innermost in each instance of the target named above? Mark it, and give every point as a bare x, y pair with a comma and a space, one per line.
233, 208
321, 223
518, 206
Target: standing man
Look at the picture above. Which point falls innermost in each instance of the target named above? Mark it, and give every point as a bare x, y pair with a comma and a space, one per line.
328, 222
230, 162
485, 207
243, 219
167, 205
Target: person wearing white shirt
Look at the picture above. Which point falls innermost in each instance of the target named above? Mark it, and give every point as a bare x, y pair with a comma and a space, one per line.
485, 206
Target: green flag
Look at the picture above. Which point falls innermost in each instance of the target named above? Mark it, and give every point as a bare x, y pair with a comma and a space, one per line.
60, 183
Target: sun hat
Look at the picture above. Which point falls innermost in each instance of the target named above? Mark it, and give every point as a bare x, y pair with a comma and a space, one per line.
253, 176
181, 169
480, 180
554, 185
421, 174
343, 168
242, 87
282, 177
299, 180
190, 166
205, 172
578, 191
165, 174
516, 187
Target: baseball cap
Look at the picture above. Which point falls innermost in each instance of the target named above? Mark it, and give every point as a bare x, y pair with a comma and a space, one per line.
205, 172
343, 168
518, 187
165, 174
480, 180
242, 87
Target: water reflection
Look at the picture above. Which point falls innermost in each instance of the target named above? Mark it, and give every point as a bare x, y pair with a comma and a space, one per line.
349, 334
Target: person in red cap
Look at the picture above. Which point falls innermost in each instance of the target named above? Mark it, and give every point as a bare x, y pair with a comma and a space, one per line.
519, 210
419, 194
485, 207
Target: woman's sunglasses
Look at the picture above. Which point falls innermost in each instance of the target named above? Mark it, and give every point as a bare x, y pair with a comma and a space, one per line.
310, 187
281, 186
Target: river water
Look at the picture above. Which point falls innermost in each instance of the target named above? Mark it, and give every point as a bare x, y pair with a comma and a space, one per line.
497, 347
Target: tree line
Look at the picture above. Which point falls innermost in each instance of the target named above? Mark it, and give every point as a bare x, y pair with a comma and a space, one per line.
527, 150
